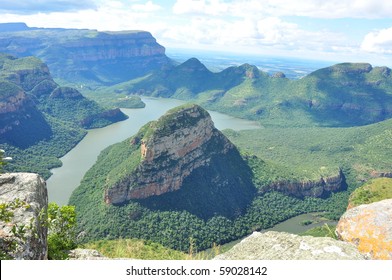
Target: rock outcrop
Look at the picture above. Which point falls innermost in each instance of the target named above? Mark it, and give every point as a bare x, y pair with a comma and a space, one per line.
31, 190
184, 151
319, 188
284, 246
369, 227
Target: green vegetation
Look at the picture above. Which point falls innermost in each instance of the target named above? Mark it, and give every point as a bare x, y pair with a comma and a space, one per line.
323, 231
42, 121
61, 223
372, 191
295, 154
10, 243
341, 95
135, 249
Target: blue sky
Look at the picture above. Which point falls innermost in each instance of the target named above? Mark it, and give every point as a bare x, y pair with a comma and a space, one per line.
336, 30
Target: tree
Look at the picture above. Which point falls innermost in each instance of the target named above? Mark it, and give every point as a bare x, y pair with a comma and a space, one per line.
3, 160
61, 231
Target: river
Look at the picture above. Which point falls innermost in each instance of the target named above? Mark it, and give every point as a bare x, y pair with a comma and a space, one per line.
77, 161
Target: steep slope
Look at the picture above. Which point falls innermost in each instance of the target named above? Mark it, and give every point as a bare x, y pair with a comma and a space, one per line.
345, 94
86, 56
35, 110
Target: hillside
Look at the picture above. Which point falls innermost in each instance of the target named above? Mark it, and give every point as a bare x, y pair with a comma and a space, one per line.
178, 182
40, 118
347, 94
82, 56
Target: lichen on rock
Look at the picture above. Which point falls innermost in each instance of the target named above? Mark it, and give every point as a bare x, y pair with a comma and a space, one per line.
31, 189
369, 227
273, 245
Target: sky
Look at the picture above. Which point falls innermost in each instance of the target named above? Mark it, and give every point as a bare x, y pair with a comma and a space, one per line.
333, 30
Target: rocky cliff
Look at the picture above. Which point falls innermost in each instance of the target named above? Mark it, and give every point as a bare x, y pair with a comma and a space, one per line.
319, 188
88, 55
28, 93
284, 246
30, 190
179, 155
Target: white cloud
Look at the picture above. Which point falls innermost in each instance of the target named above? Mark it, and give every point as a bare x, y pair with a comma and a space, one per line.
378, 41
308, 8
207, 7
148, 7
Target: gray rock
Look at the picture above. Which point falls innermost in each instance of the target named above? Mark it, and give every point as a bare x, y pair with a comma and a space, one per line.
85, 254
31, 189
273, 245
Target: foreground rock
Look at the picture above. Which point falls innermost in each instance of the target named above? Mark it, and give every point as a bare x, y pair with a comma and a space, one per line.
369, 227
85, 254
31, 189
284, 246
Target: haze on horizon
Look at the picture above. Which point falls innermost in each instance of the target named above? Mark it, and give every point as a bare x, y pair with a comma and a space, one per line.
335, 30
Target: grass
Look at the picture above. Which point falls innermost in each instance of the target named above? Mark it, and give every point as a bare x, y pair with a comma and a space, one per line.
147, 250
372, 191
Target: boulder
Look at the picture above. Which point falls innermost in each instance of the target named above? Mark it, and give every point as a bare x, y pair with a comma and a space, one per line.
30, 190
369, 227
273, 245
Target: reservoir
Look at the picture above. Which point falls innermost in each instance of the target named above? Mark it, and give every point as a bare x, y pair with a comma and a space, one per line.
79, 160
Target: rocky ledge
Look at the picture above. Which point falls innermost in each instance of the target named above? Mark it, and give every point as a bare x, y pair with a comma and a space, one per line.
285, 246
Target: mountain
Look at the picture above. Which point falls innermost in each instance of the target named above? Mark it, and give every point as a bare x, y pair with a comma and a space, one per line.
181, 183
345, 94
36, 113
81, 56
180, 162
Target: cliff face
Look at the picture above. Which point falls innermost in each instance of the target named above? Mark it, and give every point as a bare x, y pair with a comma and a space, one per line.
81, 55
31, 189
319, 188
184, 154
28, 92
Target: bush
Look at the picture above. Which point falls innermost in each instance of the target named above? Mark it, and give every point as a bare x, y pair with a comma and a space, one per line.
61, 231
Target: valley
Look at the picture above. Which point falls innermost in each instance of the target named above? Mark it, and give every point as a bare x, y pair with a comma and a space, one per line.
165, 170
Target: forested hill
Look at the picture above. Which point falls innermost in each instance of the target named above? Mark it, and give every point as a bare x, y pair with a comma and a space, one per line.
37, 114
347, 94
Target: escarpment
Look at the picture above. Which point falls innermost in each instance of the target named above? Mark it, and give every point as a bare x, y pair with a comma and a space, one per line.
83, 55
313, 188
183, 155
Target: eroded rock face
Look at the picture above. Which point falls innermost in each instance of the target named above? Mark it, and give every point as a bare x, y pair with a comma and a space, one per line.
284, 246
30, 188
319, 188
369, 227
180, 144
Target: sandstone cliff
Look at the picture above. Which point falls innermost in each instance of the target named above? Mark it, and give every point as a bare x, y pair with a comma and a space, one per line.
30, 189
183, 154
284, 246
318, 188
